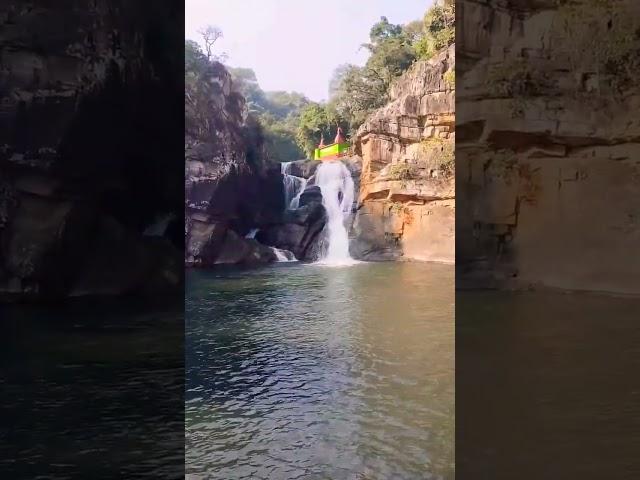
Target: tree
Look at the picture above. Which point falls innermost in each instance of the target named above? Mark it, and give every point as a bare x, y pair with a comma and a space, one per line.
317, 120
358, 94
439, 29
283, 104
357, 91
337, 78
210, 35
194, 59
246, 82
383, 30
413, 31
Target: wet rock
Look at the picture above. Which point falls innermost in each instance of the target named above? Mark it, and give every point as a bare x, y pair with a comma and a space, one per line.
211, 242
299, 231
312, 194
303, 168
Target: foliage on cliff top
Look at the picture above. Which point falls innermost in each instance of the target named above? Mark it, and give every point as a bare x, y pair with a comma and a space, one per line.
278, 112
438, 29
272, 117
215, 115
606, 33
355, 92
316, 121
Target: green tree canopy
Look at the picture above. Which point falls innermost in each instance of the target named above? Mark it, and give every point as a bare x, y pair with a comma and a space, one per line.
357, 91
317, 120
439, 29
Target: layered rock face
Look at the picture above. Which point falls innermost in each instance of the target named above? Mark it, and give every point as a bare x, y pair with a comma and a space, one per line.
228, 188
87, 155
406, 203
548, 159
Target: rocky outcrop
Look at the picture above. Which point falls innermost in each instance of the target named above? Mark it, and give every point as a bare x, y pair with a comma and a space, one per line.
229, 189
299, 230
406, 206
303, 168
548, 158
87, 158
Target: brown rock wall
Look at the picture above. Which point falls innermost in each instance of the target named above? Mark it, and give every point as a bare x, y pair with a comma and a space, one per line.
548, 158
406, 206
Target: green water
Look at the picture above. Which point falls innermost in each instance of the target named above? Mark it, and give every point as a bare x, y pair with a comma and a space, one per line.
547, 386
302, 371
92, 388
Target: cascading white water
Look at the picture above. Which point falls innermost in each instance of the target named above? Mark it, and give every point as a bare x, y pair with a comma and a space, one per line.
159, 227
284, 255
336, 185
295, 201
293, 186
252, 233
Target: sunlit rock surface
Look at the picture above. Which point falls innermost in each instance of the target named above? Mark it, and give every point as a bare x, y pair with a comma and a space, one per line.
548, 152
406, 203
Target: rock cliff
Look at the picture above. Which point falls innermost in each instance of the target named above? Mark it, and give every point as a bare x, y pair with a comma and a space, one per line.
229, 189
87, 158
406, 203
548, 152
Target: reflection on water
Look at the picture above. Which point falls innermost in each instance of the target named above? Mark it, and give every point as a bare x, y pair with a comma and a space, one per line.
298, 371
92, 389
547, 386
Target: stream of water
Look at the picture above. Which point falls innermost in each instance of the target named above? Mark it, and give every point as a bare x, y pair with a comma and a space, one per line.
299, 371
293, 186
336, 184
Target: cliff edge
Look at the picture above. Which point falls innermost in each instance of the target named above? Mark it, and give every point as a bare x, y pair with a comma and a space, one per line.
406, 202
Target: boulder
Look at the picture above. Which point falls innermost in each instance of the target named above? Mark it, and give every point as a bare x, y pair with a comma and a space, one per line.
312, 194
303, 168
299, 231
210, 242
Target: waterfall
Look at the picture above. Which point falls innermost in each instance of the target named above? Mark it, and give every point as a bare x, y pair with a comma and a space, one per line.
293, 186
336, 184
252, 233
284, 255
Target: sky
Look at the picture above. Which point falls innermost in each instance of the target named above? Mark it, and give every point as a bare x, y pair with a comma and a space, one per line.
295, 45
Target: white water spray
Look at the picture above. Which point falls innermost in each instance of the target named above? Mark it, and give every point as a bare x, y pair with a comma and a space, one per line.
252, 233
284, 255
293, 186
336, 184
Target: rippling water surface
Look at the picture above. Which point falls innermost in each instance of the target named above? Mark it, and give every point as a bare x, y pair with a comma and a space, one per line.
302, 371
547, 386
92, 389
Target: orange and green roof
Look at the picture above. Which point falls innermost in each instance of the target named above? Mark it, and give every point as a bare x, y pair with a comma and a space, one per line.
338, 148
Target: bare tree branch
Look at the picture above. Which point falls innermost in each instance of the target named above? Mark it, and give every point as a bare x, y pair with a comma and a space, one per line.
210, 35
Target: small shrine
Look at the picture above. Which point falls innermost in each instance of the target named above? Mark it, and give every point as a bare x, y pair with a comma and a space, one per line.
339, 148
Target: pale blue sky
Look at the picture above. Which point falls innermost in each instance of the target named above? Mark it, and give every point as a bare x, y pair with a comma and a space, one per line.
295, 45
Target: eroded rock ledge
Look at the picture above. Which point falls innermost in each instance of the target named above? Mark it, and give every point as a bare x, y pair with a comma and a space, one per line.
548, 153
